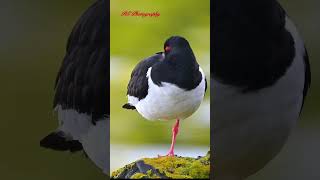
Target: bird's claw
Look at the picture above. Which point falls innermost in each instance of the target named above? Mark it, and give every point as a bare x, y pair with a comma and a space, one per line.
168, 155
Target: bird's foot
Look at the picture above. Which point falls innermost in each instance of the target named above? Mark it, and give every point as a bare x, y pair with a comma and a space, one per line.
170, 154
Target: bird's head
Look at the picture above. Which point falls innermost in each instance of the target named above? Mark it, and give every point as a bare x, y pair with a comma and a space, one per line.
175, 44
177, 49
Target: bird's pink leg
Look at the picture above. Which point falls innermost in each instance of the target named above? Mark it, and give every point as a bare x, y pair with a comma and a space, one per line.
175, 130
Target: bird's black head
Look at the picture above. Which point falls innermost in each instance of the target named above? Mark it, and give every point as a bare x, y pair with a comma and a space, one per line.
176, 43
177, 50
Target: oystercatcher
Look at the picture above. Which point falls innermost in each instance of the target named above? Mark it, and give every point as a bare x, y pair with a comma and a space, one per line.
260, 77
82, 90
168, 85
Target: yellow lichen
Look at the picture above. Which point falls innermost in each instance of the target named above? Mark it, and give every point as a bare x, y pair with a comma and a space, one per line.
116, 173
181, 167
173, 167
138, 176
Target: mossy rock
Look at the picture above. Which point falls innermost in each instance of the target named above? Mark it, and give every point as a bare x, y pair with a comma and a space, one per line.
166, 168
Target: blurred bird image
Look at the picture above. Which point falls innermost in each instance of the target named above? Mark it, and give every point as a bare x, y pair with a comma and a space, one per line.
82, 90
260, 77
168, 85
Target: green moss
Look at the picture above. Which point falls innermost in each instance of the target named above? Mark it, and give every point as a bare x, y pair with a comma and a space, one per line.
151, 175
173, 167
139, 176
118, 172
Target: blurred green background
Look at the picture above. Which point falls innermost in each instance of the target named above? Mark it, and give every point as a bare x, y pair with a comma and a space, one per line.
33, 36
135, 38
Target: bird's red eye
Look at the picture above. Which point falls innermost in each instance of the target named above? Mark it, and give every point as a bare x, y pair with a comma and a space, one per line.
167, 49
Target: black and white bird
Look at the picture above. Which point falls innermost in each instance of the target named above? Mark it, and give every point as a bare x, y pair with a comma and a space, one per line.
168, 85
82, 90
260, 76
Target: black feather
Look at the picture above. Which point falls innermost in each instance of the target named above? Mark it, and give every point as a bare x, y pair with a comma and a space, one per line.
83, 79
179, 67
251, 47
138, 84
128, 106
58, 141
307, 77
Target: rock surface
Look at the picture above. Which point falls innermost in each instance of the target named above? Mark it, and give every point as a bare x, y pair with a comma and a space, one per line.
166, 168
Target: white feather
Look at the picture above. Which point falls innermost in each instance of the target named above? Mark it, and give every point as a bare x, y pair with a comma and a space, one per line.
169, 101
94, 138
96, 144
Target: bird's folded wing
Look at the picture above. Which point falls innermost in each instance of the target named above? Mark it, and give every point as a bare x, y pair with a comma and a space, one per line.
82, 83
138, 84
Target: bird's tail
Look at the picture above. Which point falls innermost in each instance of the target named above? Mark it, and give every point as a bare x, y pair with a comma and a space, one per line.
128, 106
60, 142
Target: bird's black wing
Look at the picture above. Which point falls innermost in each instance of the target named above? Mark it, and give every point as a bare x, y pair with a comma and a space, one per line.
138, 84
307, 77
206, 86
82, 83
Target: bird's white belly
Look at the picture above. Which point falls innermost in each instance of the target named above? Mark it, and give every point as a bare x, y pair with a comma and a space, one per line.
170, 102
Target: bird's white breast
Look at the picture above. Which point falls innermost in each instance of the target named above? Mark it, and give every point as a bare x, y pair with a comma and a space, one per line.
169, 101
